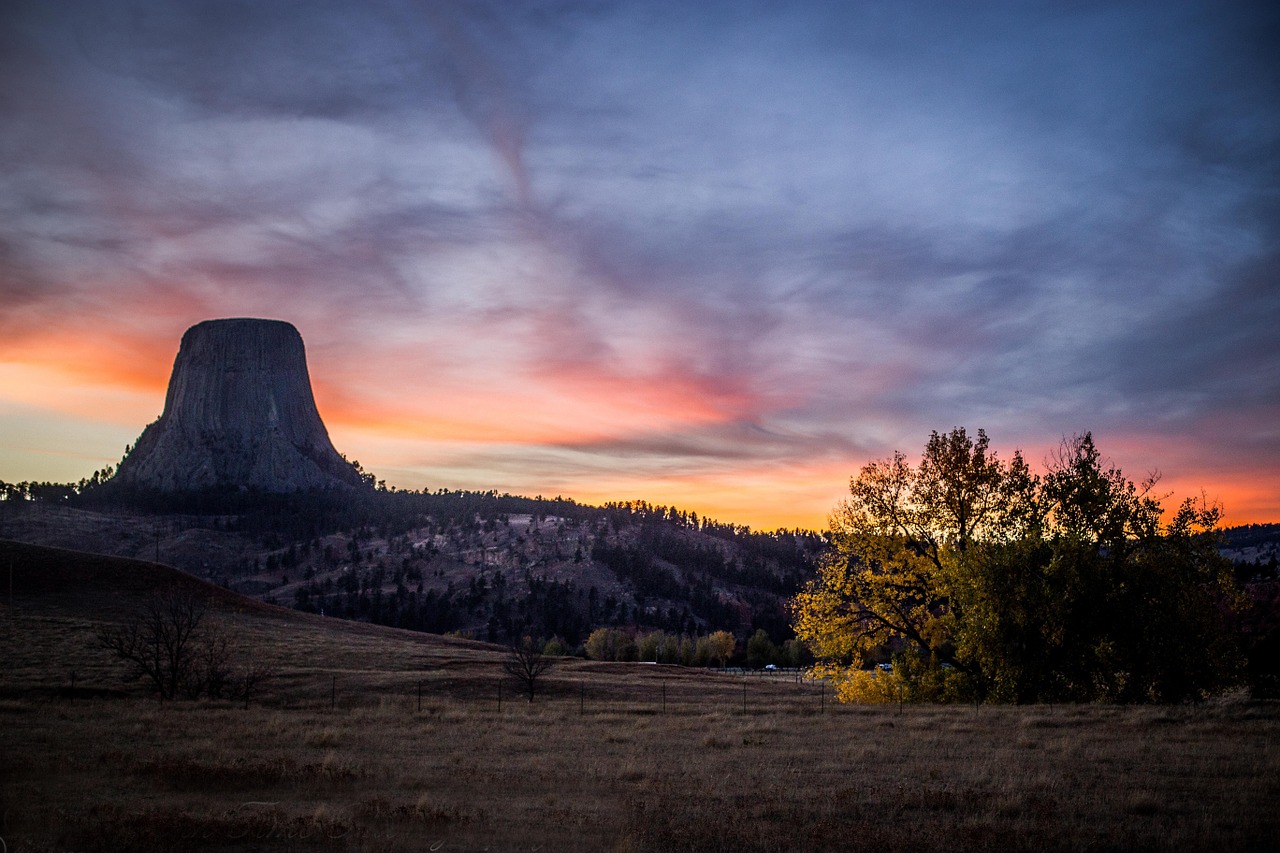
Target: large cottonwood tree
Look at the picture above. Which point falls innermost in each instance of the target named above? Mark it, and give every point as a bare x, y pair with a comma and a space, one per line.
985, 580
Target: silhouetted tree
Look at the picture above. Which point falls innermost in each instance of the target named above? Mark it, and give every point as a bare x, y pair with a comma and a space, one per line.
248, 679
526, 664
162, 641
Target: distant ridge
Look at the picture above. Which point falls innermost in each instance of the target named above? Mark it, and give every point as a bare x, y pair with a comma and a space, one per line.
239, 413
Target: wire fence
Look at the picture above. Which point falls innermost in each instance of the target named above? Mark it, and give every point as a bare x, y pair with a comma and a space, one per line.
579, 692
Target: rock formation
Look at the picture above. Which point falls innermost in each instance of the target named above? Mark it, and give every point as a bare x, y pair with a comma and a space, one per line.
239, 413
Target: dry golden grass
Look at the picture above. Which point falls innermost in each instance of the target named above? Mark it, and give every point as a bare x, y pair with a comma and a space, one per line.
596, 764
138, 775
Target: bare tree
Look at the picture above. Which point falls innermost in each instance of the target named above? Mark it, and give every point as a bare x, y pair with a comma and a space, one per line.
163, 642
526, 664
249, 679
210, 672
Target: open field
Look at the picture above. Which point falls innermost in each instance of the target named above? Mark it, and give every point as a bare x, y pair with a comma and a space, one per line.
338, 754
128, 774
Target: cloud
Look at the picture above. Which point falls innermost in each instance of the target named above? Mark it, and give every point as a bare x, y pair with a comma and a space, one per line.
565, 238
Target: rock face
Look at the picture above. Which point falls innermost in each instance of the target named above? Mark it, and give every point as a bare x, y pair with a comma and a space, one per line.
240, 414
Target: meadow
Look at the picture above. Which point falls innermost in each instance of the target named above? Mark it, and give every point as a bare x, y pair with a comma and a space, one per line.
460, 775
375, 739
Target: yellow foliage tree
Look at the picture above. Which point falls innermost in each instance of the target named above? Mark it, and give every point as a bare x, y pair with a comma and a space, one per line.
896, 542
721, 645
982, 578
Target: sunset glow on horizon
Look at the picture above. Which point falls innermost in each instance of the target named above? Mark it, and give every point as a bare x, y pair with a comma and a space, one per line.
717, 256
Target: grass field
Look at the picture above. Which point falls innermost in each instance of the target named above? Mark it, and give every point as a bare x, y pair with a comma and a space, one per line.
340, 754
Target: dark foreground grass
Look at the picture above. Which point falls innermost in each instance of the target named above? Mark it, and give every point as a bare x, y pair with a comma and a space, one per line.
133, 774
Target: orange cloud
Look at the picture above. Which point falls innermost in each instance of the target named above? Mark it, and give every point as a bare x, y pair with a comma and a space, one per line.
118, 376
408, 391
1201, 463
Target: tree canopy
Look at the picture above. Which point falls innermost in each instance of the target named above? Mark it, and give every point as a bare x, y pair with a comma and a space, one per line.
984, 580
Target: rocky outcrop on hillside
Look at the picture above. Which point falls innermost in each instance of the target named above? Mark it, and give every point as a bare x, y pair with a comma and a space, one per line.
239, 413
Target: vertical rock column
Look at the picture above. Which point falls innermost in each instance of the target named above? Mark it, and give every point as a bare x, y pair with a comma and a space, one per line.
239, 413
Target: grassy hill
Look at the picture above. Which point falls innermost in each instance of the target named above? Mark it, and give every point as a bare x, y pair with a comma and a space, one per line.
61, 598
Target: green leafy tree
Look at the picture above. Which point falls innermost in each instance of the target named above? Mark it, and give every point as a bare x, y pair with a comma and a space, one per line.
669, 648
688, 651
556, 648
647, 647
760, 649
599, 644
610, 644
793, 653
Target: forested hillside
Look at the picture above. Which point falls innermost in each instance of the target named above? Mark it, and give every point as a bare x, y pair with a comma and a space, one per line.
1254, 550
491, 566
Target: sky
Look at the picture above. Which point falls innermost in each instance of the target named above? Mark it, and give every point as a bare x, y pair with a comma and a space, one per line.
718, 254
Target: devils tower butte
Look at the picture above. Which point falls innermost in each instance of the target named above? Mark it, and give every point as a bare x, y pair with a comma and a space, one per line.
239, 413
